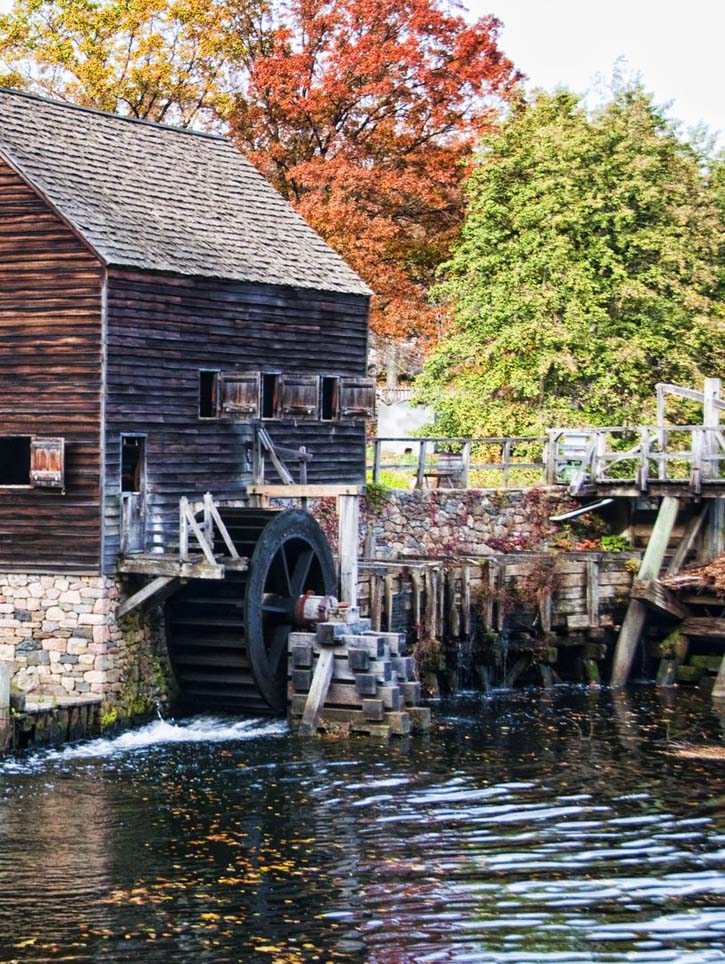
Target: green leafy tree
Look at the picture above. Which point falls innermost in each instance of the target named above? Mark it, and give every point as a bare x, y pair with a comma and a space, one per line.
589, 269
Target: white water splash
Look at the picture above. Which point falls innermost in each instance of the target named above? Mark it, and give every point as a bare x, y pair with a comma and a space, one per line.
198, 729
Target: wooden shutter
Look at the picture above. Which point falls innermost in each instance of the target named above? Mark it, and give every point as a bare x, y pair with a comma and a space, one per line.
357, 398
299, 396
239, 395
47, 462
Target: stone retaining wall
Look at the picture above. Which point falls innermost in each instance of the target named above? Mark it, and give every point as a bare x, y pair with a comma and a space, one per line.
61, 634
442, 523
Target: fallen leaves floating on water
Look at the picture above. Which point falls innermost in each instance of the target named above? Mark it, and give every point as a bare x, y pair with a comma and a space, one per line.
698, 752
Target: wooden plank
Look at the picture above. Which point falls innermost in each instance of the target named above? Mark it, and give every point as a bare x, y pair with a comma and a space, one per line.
692, 530
593, 592
318, 692
310, 491
659, 597
634, 619
160, 565
155, 591
704, 626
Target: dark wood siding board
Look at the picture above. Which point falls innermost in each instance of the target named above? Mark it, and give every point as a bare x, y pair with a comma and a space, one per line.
161, 330
50, 349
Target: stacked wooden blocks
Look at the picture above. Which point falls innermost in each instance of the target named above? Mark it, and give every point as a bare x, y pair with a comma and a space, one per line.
344, 673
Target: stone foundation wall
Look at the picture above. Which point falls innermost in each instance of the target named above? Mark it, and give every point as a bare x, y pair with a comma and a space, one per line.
61, 634
443, 523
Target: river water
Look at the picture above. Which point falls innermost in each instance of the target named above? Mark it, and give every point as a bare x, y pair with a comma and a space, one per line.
525, 828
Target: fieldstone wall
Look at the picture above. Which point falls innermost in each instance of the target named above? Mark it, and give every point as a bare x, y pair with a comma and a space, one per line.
61, 634
481, 522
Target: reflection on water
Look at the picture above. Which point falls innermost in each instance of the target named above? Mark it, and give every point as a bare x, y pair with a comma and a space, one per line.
526, 828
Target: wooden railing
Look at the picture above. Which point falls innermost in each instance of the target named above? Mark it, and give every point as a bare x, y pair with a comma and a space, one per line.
690, 454
636, 456
454, 461
203, 530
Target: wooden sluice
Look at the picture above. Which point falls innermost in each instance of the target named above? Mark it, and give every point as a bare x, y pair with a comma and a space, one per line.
555, 613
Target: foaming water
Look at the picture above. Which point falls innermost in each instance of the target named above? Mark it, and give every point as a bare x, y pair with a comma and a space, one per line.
527, 828
159, 733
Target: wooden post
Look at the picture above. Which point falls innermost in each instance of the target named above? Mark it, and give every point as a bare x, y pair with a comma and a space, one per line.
376, 459
6, 672
633, 624
420, 475
710, 424
376, 601
183, 528
441, 594
466, 601
415, 581
454, 612
714, 541
348, 511
465, 464
593, 592
599, 467
643, 474
208, 524
687, 541
388, 600
318, 692
550, 456
506, 459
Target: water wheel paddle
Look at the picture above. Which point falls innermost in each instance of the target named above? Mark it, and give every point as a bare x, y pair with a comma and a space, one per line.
227, 640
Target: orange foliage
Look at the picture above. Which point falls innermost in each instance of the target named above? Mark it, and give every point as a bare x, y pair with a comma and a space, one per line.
363, 113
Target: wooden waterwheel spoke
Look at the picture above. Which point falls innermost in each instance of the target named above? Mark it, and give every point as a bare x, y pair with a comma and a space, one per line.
278, 648
301, 571
285, 569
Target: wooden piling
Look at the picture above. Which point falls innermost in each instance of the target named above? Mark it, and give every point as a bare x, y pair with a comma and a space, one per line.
633, 624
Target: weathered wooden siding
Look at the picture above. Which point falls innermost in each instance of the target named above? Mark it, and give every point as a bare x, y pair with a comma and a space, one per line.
50, 381
162, 330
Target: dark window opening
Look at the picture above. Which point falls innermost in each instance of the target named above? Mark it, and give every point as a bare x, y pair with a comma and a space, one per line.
133, 458
15, 460
269, 395
207, 394
329, 399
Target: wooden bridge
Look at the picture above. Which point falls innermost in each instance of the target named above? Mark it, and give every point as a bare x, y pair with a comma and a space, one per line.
686, 461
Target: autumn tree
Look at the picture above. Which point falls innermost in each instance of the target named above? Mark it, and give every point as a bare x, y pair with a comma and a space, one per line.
363, 114
589, 269
159, 60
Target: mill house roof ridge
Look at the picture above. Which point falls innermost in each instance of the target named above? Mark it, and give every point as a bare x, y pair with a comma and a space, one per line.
164, 199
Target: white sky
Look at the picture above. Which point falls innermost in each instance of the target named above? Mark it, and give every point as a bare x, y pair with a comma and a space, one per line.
677, 48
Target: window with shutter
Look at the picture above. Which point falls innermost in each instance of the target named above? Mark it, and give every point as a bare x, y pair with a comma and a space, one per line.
357, 398
239, 395
299, 396
47, 463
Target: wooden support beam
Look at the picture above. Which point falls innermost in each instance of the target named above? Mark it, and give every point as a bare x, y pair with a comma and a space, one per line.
704, 626
634, 620
714, 540
688, 540
718, 690
195, 567
348, 514
154, 592
318, 692
593, 592
311, 491
659, 597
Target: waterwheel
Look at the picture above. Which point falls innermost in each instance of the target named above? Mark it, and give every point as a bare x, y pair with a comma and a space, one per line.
227, 640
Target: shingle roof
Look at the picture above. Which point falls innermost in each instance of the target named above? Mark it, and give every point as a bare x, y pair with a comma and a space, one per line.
164, 199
